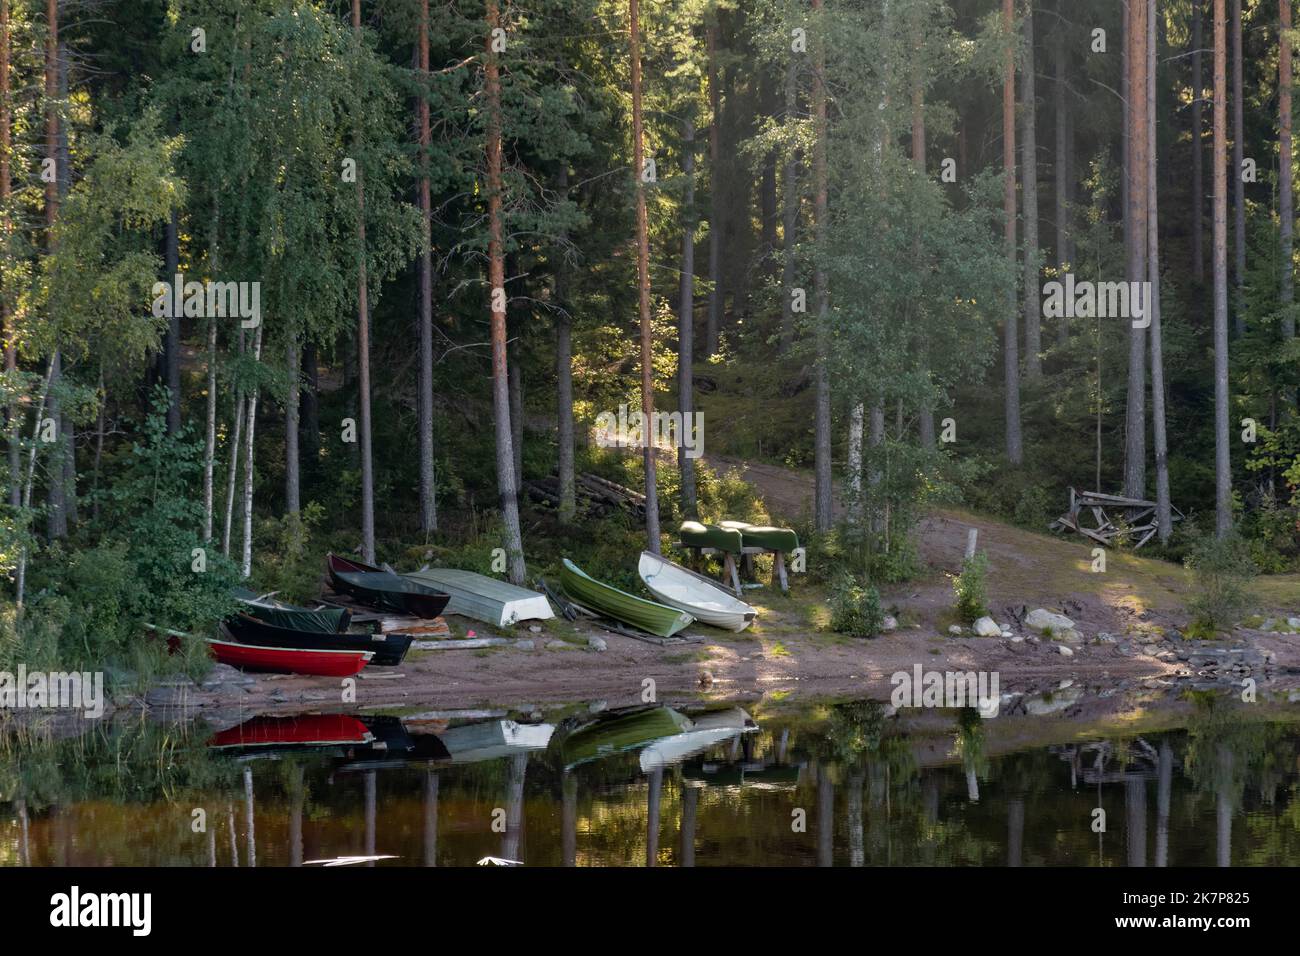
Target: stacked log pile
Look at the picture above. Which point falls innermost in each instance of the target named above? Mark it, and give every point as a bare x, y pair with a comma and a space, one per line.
598, 497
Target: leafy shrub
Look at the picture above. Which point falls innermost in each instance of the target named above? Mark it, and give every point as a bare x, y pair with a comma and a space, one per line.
855, 608
971, 588
1222, 569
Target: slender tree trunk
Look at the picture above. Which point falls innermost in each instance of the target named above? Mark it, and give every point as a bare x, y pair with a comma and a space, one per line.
506, 485
789, 212
363, 359
1010, 333
1135, 420
926, 411
1164, 519
1222, 461
1060, 173
1198, 145
310, 406
292, 483
714, 320
516, 383
428, 498
249, 428
1238, 184
57, 519
822, 501
1029, 187
232, 470
172, 347
210, 436
1286, 201
564, 375
857, 417
643, 284
20, 576
686, 319
767, 182
12, 412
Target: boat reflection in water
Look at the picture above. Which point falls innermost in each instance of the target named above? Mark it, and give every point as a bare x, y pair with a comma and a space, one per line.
803, 785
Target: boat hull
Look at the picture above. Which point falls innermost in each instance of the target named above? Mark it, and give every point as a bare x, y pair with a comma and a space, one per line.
289, 660
693, 593
605, 599
385, 590
389, 649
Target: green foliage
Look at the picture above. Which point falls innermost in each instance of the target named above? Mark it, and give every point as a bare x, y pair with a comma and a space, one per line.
971, 588
1222, 569
855, 608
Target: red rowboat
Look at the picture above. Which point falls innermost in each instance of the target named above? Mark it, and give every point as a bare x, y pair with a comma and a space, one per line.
290, 660
304, 730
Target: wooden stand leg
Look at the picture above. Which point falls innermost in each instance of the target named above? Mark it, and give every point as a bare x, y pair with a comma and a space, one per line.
779, 566
729, 568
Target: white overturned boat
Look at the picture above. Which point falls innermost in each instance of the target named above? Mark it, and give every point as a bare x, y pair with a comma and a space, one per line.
693, 593
483, 598
706, 730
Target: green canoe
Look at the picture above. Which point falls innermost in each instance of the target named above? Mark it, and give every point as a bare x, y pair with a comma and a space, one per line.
696, 535
328, 620
763, 536
610, 601
618, 732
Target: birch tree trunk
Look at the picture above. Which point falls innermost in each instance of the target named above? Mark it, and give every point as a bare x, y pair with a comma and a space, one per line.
1222, 459
246, 565
172, 344
292, 484
210, 437
57, 519
1060, 172
686, 319
1029, 189
643, 284
496, 281
1010, 332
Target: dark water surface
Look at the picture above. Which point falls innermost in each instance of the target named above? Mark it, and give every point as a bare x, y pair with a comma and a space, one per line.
795, 785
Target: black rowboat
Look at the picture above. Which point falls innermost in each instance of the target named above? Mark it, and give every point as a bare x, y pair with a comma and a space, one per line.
280, 614
389, 649
384, 589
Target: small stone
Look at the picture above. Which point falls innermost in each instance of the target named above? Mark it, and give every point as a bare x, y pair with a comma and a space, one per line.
1042, 620
1007, 633
597, 643
556, 645
536, 629
525, 645
954, 629
1105, 637
1065, 651
987, 627
889, 624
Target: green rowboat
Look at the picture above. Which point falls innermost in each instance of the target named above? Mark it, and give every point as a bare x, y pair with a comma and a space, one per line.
763, 536
615, 732
696, 535
597, 596
326, 620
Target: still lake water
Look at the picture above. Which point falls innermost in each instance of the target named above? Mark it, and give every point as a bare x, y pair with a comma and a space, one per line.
823, 784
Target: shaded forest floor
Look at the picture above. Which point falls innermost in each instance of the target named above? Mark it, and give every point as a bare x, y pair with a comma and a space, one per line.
790, 652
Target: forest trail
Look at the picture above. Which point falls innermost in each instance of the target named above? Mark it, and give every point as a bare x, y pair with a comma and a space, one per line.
1025, 567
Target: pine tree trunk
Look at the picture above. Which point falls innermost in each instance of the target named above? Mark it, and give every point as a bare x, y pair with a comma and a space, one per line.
714, 320
310, 406
363, 360
643, 284
1238, 184
13, 418
1164, 519
926, 411
516, 383
789, 212
1029, 187
1286, 201
1010, 332
1222, 460
1135, 419
686, 318
428, 497
1060, 172
564, 375
57, 519
1198, 145
822, 490
506, 485
293, 369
